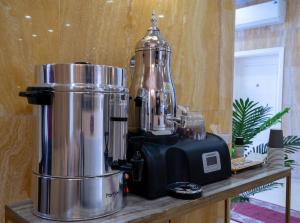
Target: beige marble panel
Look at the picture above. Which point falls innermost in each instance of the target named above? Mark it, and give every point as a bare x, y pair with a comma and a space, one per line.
106, 32
15, 159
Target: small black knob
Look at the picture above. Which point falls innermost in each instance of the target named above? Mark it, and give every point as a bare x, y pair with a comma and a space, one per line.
138, 101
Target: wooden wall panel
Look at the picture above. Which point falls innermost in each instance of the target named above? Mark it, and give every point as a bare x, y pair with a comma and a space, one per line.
106, 32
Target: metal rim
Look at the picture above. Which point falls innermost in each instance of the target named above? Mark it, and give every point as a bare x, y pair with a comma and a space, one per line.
89, 65
77, 178
45, 216
84, 88
152, 48
77, 75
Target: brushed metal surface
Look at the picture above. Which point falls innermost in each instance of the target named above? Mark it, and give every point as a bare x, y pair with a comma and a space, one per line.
73, 76
69, 199
78, 136
75, 136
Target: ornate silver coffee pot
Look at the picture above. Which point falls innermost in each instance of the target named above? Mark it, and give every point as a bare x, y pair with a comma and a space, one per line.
153, 101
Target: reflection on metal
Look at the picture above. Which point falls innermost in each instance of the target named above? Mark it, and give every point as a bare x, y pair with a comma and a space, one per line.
152, 91
79, 133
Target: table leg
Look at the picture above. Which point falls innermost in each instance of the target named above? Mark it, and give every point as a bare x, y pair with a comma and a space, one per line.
227, 211
288, 199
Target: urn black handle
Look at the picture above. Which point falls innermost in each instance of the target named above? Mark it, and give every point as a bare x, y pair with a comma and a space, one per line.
137, 166
38, 95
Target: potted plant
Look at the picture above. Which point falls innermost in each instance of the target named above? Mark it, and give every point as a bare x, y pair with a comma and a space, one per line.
249, 118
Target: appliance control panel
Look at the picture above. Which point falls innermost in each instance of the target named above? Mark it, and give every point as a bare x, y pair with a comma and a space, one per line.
211, 162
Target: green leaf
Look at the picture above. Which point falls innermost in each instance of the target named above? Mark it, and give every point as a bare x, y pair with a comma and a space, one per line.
261, 148
273, 120
244, 197
249, 118
291, 144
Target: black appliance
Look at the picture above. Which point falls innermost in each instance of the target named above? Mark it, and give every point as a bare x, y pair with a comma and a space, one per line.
171, 159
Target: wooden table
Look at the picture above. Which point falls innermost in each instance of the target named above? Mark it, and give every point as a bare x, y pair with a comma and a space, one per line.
163, 209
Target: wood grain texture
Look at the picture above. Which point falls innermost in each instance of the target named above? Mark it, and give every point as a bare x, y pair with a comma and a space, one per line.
210, 213
106, 32
141, 210
285, 35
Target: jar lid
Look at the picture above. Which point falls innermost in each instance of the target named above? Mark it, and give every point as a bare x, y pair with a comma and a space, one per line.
80, 75
153, 39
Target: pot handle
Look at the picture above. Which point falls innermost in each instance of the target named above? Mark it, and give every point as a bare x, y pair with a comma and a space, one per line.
131, 68
38, 95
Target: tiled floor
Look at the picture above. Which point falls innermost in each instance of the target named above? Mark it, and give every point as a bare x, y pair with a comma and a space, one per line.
277, 196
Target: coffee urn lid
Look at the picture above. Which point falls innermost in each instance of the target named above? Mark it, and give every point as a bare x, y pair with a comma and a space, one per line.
80, 75
153, 38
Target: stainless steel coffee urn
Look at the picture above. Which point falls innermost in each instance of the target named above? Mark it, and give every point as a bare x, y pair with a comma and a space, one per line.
153, 102
80, 132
